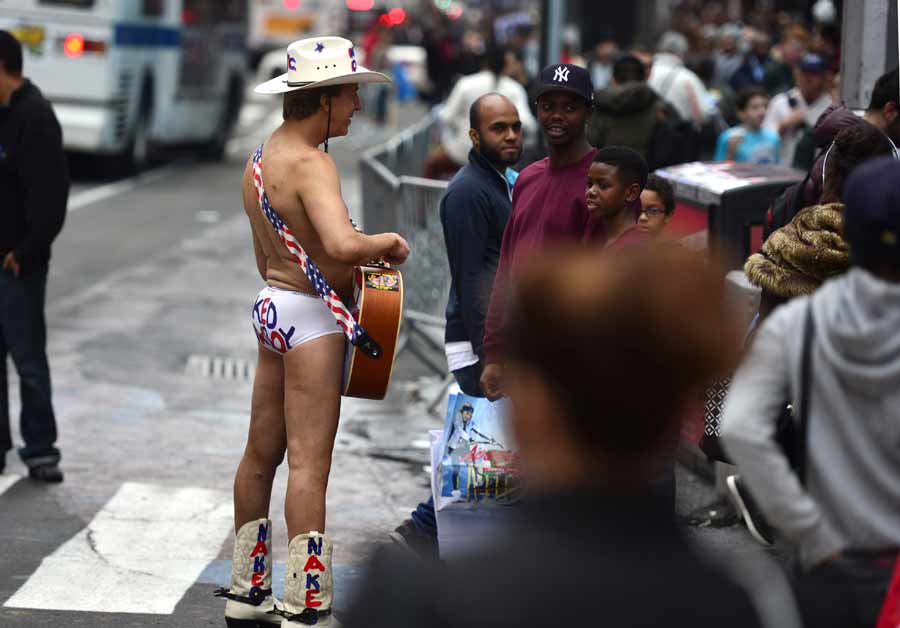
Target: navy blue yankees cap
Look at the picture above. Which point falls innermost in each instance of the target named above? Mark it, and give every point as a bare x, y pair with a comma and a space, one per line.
568, 78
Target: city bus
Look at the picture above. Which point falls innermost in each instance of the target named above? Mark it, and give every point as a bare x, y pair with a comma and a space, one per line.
128, 76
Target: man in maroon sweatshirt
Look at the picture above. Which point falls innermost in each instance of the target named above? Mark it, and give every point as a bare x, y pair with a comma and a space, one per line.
548, 198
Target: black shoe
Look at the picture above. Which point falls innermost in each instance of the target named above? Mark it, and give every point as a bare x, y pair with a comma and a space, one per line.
719, 514
756, 522
411, 538
49, 473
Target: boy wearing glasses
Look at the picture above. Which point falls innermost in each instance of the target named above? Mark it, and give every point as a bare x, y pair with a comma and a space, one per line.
657, 206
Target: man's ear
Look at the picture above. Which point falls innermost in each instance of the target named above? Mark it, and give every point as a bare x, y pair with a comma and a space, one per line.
476, 139
632, 193
325, 102
891, 111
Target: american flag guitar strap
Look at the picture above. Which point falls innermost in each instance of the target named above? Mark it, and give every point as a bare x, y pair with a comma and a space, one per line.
357, 336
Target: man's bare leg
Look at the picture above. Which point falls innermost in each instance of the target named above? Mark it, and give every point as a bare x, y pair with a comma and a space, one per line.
249, 597
312, 404
266, 442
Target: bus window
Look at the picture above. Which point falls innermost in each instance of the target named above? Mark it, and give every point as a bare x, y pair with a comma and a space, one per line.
153, 8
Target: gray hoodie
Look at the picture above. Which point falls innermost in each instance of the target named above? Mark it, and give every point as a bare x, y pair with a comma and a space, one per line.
851, 499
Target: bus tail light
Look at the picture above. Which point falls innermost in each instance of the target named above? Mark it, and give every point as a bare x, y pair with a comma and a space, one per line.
74, 45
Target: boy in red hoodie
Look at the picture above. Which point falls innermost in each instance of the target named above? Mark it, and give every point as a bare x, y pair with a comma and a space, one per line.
614, 183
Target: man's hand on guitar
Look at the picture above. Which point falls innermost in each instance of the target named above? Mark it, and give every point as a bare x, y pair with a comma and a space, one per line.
491, 381
398, 252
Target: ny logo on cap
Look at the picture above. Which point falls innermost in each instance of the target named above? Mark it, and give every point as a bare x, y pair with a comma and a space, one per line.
561, 75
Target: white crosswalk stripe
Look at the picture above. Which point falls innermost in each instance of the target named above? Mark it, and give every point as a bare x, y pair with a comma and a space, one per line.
7, 480
139, 554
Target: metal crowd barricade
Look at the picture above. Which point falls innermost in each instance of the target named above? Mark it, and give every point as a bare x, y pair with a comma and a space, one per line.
396, 199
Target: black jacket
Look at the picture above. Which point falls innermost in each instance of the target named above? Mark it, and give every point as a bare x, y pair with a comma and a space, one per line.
474, 212
34, 178
576, 559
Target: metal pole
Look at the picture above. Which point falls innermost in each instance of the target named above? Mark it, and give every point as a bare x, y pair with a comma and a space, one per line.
866, 52
552, 23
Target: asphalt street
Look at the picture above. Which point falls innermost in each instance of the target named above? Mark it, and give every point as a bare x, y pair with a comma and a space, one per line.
150, 291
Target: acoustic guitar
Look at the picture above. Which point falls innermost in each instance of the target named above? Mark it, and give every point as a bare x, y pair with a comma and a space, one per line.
368, 365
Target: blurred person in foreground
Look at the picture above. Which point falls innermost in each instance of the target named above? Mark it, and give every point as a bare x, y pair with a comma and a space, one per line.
548, 199
34, 186
657, 206
474, 212
588, 521
841, 514
295, 407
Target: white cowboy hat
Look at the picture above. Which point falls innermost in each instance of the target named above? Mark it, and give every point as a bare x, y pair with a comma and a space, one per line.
320, 62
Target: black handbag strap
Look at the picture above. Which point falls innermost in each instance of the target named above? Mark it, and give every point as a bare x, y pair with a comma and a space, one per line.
803, 421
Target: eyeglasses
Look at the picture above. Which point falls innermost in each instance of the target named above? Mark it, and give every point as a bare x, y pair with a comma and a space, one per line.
652, 211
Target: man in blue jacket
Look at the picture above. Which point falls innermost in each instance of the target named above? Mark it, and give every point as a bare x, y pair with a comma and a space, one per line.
474, 212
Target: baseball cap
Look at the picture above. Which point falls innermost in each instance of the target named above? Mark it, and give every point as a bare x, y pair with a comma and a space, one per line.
872, 213
566, 77
811, 62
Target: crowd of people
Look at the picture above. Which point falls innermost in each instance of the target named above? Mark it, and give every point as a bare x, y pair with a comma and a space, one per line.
802, 471
749, 90
567, 297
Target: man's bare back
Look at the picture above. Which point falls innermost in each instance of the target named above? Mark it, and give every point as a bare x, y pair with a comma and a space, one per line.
288, 168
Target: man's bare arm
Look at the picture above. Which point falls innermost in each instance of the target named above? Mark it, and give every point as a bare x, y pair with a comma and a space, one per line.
321, 196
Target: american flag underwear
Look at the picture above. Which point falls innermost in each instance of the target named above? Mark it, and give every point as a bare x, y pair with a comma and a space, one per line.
354, 332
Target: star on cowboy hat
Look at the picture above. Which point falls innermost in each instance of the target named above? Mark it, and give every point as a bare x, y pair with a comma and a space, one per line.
320, 62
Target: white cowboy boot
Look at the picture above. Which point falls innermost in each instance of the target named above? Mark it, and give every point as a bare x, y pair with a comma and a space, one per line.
250, 601
309, 583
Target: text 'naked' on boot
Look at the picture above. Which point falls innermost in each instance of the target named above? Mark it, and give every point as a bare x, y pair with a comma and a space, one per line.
309, 583
250, 601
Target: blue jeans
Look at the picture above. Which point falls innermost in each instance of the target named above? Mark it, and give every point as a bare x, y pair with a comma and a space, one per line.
467, 378
23, 336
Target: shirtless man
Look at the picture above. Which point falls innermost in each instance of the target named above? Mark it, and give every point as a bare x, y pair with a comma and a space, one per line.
297, 388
